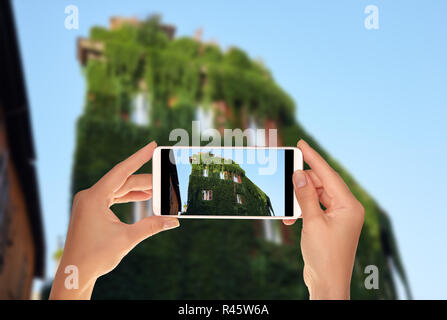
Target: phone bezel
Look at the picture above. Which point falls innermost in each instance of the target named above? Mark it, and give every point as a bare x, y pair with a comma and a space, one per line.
156, 183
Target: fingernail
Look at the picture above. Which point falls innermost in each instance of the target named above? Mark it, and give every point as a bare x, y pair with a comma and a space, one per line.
299, 179
301, 141
170, 224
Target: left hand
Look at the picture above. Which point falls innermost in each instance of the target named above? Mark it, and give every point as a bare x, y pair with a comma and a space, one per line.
97, 240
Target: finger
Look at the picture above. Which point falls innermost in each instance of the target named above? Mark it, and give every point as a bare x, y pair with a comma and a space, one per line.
288, 222
324, 197
332, 182
306, 195
116, 177
317, 184
134, 196
136, 182
149, 226
316, 181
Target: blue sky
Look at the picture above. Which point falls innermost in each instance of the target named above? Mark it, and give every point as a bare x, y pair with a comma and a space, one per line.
272, 183
375, 99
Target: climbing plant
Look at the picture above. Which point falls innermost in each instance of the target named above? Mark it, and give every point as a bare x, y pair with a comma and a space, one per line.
224, 189
203, 259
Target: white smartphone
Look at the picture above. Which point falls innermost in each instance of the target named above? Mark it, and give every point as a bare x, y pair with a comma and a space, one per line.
225, 182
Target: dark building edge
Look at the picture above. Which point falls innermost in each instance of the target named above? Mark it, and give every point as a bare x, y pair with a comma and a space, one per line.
169, 178
14, 101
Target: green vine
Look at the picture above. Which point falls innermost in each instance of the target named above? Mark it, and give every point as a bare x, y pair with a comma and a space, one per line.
204, 259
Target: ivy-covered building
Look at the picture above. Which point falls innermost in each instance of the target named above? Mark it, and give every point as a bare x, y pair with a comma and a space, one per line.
142, 82
219, 186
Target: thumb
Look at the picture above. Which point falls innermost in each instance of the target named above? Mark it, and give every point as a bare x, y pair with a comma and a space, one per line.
149, 226
306, 195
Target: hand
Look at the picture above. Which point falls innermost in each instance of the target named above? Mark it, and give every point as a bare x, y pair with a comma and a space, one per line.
97, 240
329, 237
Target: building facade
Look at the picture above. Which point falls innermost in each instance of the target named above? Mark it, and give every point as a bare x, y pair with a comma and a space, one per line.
141, 84
22, 251
219, 186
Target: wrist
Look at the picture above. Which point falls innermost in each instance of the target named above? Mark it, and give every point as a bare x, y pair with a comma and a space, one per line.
329, 290
72, 281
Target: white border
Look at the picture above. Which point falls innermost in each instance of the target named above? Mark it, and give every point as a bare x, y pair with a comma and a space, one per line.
156, 183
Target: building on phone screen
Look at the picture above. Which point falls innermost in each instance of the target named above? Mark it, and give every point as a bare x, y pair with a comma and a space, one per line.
219, 186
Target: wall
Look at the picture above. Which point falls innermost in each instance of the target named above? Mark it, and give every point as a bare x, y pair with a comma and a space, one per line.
224, 194
17, 271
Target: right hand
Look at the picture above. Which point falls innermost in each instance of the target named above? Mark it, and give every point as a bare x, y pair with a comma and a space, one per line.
329, 237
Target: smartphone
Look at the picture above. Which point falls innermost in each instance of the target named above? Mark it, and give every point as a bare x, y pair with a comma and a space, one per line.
225, 182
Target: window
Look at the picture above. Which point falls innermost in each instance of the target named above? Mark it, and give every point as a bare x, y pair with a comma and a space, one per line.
272, 231
222, 175
140, 210
237, 179
207, 195
141, 109
206, 118
205, 172
239, 198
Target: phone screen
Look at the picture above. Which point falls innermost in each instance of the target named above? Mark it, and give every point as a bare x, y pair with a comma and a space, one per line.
227, 182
